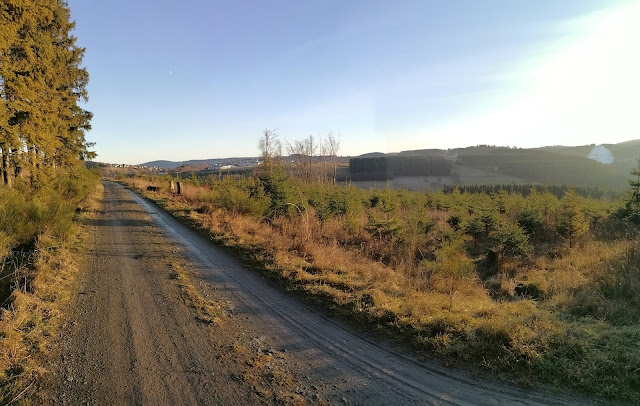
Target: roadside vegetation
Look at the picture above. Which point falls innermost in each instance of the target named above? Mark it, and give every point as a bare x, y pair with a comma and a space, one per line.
43, 182
533, 287
38, 268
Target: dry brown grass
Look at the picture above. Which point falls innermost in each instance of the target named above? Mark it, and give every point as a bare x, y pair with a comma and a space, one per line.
210, 311
308, 253
522, 338
31, 324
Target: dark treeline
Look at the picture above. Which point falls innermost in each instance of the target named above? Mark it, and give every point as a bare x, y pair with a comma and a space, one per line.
384, 168
441, 152
543, 166
42, 83
525, 190
423, 152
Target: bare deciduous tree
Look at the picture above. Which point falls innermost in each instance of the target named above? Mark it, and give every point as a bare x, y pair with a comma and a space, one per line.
303, 153
296, 151
331, 147
310, 151
315, 159
270, 147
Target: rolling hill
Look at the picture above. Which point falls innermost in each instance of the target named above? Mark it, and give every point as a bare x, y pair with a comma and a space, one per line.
546, 165
198, 162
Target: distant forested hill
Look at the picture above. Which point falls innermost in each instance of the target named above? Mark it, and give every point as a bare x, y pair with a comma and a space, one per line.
625, 151
163, 164
195, 162
581, 150
552, 165
539, 165
557, 164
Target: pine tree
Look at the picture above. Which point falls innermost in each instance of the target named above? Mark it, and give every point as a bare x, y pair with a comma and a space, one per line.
571, 222
475, 227
451, 263
42, 126
632, 204
510, 239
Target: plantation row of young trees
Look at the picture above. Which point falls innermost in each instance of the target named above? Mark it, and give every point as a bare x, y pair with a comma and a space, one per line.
386, 167
526, 188
42, 83
409, 230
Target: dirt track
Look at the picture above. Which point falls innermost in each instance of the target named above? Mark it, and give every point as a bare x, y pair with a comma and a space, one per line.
132, 339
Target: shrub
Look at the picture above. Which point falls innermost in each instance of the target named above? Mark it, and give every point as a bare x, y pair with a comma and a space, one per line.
571, 222
509, 239
530, 220
277, 187
240, 195
452, 264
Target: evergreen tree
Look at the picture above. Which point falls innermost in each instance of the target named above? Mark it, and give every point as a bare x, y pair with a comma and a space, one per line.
530, 220
571, 222
42, 82
451, 263
632, 205
509, 239
475, 227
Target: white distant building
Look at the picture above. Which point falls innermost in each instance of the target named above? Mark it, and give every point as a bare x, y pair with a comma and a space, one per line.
601, 154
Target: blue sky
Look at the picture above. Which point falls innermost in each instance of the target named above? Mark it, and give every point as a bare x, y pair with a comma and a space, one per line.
202, 79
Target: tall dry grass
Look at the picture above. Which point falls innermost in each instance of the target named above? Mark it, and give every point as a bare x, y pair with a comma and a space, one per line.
399, 261
38, 276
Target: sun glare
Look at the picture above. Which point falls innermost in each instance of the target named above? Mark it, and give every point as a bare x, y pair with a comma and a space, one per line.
585, 91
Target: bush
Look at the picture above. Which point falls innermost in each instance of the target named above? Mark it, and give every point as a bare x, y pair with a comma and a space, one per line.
277, 187
530, 220
239, 195
571, 222
509, 239
25, 214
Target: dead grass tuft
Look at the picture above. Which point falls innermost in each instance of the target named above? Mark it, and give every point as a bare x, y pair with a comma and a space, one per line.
209, 311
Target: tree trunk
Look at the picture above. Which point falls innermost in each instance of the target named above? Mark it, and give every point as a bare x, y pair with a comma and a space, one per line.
33, 175
6, 176
452, 292
3, 166
335, 171
15, 163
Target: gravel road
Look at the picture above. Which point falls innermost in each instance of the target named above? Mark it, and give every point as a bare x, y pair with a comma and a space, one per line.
133, 339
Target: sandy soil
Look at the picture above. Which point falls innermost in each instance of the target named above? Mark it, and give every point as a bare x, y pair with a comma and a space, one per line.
134, 339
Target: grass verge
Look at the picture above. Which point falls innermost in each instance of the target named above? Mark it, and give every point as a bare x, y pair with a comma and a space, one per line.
30, 324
